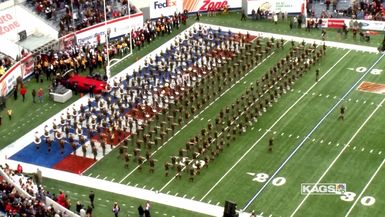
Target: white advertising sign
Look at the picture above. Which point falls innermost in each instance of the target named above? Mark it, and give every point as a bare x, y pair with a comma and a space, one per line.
165, 7
116, 27
289, 6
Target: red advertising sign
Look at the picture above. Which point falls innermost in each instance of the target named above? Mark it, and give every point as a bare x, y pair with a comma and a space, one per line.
335, 23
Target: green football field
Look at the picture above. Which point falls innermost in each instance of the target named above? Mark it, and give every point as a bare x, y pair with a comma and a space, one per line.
310, 145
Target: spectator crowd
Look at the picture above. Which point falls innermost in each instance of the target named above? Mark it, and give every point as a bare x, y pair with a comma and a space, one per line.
5, 63
94, 56
79, 14
15, 203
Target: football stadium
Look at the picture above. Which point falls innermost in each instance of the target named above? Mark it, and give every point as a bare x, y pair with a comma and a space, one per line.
184, 108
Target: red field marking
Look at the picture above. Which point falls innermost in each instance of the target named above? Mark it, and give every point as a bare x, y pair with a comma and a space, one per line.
107, 136
74, 164
372, 87
250, 38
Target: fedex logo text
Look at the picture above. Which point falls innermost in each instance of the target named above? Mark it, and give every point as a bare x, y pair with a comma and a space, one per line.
164, 4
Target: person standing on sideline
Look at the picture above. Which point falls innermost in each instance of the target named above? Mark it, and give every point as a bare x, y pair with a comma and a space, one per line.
243, 16
92, 198
33, 95
9, 112
316, 75
275, 17
40, 94
271, 142
147, 209
79, 206
342, 113
141, 211
23, 91
116, 209
197, 17
15, 93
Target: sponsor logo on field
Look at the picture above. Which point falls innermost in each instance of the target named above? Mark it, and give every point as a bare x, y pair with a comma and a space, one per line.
323, 188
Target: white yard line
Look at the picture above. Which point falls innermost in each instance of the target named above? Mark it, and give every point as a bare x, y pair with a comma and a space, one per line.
358, 48
339, 155
271, 127
366, 186
207, 107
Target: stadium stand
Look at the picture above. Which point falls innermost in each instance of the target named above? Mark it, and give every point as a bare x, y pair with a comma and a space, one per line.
5, 63
91, 56
68, 16
361, 10
16, 200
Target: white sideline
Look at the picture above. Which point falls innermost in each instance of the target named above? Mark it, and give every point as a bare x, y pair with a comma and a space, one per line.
339, 155
354, 47
267, 131
366, 186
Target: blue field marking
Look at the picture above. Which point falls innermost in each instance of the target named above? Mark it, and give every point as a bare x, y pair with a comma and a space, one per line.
41, 156
309, 134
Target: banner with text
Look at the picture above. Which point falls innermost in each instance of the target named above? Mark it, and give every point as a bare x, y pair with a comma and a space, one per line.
289, 6
116, 27
209, 5
350, 23
165, 8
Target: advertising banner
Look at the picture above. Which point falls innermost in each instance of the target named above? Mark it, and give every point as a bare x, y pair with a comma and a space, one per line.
289, 6
165, 7
335, 23
116, 27
209, 5
362, 24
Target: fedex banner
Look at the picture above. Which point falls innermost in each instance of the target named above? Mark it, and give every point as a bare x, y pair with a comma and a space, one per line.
165, 8
116, 27
208, 5
362, 24
289, 6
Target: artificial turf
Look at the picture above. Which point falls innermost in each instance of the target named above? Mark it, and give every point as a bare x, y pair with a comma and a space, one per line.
311, 124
